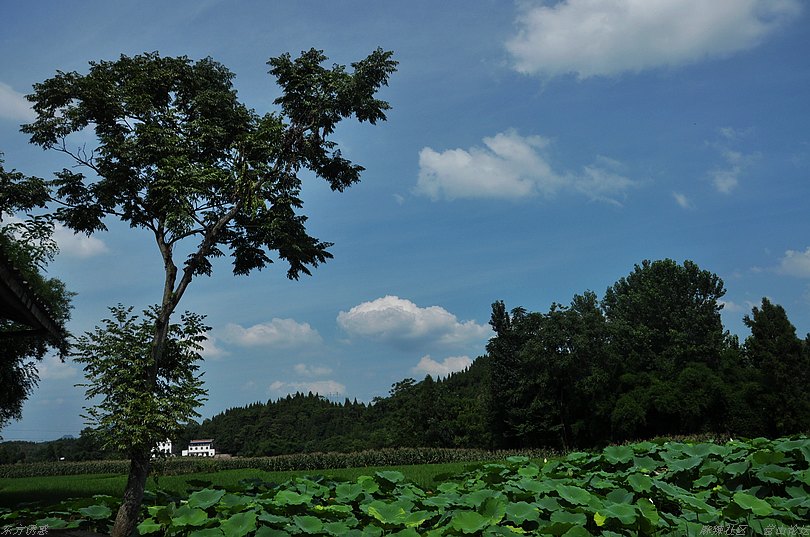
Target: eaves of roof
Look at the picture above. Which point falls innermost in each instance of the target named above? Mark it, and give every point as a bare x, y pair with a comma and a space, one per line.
19, 303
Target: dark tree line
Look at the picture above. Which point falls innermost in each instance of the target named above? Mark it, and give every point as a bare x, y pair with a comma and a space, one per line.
652, 358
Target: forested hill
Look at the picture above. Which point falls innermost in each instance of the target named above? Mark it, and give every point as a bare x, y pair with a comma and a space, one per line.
432, 413
651, 358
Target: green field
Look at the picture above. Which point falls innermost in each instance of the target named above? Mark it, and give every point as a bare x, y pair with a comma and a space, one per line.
53, 489
654, 488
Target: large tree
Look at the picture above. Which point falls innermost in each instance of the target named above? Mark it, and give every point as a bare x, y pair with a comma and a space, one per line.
784, 367
664, 319
556, 371
179, 155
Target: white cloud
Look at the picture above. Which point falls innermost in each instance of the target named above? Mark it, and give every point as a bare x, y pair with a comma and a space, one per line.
682, 200
451, 364
795, 263
599, 183
283, 333
71, 244
77, 244
51, 368
320, 387
312, 370
726, 178
394, 320
14, 106
210, 349
511, 166
607, 37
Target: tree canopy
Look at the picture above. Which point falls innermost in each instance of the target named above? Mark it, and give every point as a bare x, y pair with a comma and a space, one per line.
178, 154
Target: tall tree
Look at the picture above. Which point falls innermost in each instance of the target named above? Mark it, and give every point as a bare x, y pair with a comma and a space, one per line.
117, 362
663, 318
503, 350
784, 366
179, 155
27, 245
562, 376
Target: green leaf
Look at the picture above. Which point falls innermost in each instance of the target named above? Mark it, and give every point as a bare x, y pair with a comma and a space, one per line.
348, 492
771, 473
52, 523
767, 457
207, 532
203, 499
368, 484
417, 518
336, 528
234, 503
469, 521
494, 508
752, 503
528, 471
569, 518
575, 495
239, 524
626, 514
681, 465
308, 524
648, 511
620, 495
389, 513
96, 512
645, 464
737, 468
147, 526
577, 531
290, 497
372, 531
270, 518
534, 485
265, 531
548, 503
391, 476
705, 449
639, 482
704, 481
618, 454
186, 516
520, 512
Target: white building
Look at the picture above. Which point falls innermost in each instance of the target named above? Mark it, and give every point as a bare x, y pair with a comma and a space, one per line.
163, 448
200, 448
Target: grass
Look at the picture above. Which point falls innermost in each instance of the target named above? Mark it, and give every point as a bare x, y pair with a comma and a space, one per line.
53, 489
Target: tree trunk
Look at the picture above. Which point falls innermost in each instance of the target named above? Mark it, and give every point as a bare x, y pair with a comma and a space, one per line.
127, 517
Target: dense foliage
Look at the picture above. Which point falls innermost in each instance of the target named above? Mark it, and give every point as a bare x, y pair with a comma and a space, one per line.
27, 244
116, 361
665, 489
651, 359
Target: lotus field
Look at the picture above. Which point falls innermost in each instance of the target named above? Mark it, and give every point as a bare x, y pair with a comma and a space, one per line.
756, 487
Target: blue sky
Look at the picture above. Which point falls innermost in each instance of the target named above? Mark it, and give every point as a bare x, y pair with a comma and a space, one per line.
534, 150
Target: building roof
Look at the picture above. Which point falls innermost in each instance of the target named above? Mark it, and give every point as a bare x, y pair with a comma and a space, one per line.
19, 303
201, 441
